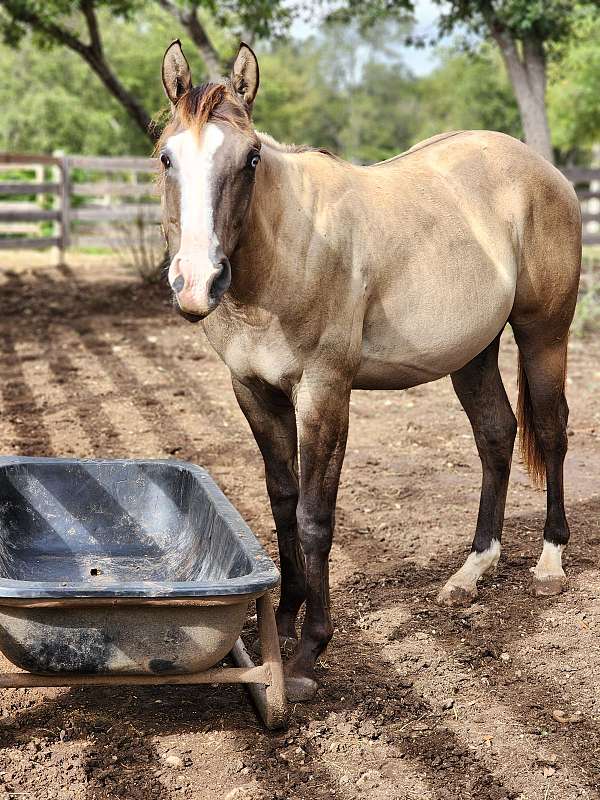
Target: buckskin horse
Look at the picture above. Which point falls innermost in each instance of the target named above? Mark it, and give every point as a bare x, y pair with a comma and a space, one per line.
313, 276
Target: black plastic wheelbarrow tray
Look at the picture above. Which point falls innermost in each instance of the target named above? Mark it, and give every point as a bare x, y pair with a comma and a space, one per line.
131, 572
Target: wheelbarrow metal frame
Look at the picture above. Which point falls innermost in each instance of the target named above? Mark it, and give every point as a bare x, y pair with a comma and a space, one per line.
265, 682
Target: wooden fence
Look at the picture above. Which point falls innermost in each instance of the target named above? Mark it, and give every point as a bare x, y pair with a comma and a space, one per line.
88, 201
77, 201
587, 185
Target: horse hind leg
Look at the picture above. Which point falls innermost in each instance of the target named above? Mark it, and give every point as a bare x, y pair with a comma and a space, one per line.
543, 415
481, 392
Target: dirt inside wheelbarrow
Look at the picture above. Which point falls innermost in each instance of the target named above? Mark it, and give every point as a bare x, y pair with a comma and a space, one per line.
499, 701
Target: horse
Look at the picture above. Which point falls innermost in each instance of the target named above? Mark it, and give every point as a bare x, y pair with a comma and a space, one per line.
313, 276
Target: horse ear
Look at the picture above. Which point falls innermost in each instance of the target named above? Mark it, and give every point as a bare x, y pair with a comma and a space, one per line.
245, 74
176, 73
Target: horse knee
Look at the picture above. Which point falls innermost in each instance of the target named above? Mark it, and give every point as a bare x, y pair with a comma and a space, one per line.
553, 439
316, 532
283, 507
495, 440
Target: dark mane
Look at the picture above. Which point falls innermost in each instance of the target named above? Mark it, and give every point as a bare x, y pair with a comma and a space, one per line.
203, 103
218, 101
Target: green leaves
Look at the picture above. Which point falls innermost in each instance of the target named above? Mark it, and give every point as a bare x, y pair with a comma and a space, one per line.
574, 88
542, 20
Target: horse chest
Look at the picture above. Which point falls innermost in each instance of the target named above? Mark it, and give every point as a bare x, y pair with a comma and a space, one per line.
263, 355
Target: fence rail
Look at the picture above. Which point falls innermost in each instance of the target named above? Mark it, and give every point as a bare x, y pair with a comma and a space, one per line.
587, 186
87, 200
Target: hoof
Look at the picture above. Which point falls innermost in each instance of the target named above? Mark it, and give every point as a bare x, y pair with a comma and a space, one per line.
299, 689
287, 645
548, 586
456, 596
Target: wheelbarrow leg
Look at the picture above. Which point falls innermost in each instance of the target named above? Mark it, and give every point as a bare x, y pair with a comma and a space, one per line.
276, 705
269, 699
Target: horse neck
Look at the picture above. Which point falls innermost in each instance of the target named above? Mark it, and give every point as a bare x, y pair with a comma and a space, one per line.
259, 253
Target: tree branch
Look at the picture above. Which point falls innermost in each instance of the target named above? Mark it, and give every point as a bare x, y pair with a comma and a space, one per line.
91, 53
188, 18
51, 29
89, 12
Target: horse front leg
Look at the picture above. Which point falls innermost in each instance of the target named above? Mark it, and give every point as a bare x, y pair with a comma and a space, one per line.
322, 405
272, 420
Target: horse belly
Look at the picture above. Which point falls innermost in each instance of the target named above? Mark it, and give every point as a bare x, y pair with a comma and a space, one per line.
408, 340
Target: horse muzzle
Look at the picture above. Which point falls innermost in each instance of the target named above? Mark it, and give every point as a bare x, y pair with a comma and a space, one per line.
196, 296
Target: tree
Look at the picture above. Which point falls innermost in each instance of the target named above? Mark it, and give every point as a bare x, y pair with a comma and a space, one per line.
75, 25
297, 102
247, 18
311, 92
52, 21
524, 30
468, 91
574, 89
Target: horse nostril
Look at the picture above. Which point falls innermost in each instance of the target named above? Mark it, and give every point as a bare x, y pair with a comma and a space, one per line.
222, 279
178, 283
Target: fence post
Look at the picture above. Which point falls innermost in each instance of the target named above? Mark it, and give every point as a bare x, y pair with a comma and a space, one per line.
65, 208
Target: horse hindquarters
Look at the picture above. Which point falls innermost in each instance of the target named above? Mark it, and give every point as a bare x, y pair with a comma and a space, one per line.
547, 286
549, 254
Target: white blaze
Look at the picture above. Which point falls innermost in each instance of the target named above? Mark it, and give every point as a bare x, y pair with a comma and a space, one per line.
192, 165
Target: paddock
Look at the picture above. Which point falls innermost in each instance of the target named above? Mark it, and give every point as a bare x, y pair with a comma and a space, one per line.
416, 702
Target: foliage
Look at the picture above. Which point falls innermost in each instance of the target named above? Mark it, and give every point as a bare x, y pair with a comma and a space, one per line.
371, 13
65, 106
366, 108
262, 18
541, 20
365, 113
259, 17
468, 91
574, 88
296, 103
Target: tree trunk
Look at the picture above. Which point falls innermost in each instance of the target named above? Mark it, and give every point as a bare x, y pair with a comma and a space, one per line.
188, 18
204, 45
527, 73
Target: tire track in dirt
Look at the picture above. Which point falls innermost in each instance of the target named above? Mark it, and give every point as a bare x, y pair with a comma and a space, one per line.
63, 423
19, 403
172, 436
99, 430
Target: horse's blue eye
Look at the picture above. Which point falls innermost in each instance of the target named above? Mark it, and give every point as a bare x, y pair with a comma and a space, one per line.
253, 160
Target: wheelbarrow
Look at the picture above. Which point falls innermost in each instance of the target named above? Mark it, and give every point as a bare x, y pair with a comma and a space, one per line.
131, 572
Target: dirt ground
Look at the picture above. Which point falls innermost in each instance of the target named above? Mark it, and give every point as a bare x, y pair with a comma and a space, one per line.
415, 701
